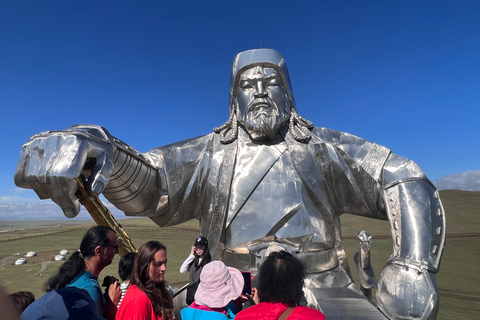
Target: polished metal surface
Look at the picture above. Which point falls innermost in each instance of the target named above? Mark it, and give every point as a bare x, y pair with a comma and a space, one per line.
346, 304
365, 272
265, 177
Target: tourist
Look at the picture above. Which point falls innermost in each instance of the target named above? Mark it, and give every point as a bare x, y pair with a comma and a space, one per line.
97, 250
147, 297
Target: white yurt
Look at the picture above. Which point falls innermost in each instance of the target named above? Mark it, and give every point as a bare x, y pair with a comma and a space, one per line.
31, 254
64, 251
20, 261
59, 257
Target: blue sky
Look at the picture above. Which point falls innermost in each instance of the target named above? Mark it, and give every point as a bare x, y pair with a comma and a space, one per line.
404, 74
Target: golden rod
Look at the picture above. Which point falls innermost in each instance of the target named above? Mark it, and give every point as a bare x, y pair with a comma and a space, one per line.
103, 217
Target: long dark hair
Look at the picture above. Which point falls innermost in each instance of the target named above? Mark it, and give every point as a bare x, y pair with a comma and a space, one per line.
281, 279
206, 259
158, 294
95, 236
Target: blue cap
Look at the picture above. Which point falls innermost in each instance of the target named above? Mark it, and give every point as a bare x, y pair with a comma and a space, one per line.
68, 303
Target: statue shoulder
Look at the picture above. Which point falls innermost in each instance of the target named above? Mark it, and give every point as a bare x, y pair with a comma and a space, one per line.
184, 151
371, 156
342, 140
191, 144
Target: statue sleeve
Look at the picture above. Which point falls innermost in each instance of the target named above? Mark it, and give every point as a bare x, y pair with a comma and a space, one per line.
415, 212
133, 184
181, 170
393, 188
160, 184
417, 222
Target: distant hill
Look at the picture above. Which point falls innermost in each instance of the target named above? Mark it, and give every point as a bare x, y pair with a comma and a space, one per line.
9, 225
462, 211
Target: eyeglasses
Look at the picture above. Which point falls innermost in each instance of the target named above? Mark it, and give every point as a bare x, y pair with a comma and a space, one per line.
115, 246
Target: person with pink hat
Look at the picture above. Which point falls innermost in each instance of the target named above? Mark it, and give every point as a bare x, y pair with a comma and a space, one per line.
219, 285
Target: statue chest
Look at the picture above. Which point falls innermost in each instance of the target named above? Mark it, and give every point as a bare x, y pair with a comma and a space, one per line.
268, 200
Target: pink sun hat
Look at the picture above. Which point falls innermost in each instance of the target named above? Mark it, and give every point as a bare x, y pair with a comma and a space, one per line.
219, 285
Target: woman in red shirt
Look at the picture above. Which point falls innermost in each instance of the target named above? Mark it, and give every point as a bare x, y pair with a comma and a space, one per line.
147, 297
281, 289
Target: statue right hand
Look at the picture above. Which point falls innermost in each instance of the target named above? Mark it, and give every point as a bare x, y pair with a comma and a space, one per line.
404, 292
51, 161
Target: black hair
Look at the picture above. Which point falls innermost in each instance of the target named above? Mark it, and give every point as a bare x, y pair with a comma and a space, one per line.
281, 279
94, 237
22, 299
206, 258
125, 265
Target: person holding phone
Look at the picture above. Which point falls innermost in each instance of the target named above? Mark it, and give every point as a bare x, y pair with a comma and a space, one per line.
247, 278
198, 258
280, 292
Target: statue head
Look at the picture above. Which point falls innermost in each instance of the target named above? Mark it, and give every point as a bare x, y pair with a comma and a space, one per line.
246, 61
261, 97
261, 102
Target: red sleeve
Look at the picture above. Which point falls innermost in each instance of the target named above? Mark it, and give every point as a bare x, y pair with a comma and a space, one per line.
135, 306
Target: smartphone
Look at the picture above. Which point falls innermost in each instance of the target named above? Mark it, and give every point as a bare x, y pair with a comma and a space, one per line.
247, 287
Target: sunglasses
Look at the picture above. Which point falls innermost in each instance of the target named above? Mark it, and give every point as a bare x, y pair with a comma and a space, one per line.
115, 246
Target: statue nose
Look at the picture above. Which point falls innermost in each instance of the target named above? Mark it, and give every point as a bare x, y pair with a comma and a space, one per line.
260, 91
261, 95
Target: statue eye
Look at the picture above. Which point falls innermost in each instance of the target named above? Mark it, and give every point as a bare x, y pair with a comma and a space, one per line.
273, 83
245, 85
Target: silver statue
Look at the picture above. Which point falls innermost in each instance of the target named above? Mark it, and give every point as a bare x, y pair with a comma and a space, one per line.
266, 176
365, 272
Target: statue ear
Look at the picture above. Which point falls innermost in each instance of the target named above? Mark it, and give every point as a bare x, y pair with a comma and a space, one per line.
290, 103
234, 112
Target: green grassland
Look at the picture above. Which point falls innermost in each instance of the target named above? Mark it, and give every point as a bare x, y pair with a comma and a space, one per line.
458, 280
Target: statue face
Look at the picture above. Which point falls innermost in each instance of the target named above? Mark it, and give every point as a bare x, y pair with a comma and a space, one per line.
261, 102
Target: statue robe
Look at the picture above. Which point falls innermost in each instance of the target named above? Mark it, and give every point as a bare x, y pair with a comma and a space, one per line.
237, 189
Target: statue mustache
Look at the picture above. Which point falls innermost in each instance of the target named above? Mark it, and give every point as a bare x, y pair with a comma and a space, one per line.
265, 101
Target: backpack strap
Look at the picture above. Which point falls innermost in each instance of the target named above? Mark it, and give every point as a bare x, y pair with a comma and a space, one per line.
286, 313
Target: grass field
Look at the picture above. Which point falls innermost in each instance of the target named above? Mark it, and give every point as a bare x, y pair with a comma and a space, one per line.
458, 280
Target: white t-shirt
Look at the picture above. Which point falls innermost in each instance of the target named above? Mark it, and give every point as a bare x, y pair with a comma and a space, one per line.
187, 263
123, 287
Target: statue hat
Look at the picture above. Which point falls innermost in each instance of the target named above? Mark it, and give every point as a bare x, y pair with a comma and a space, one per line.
267, 58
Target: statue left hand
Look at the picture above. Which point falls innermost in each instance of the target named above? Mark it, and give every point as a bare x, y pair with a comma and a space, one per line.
407, 292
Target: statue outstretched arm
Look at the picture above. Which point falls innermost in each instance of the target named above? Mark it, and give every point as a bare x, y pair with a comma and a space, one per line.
407, 287
134, 182
51, 161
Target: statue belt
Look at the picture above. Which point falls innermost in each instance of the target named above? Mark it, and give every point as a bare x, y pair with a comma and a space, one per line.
314, 261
